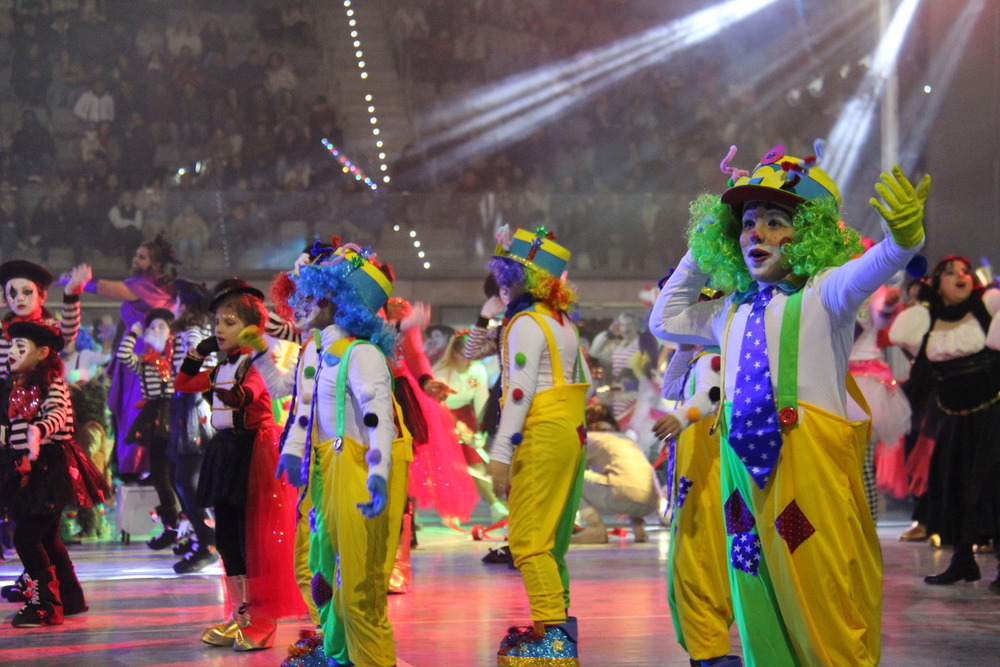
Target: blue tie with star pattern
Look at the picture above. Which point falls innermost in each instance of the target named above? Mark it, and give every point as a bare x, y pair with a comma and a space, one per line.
755, 433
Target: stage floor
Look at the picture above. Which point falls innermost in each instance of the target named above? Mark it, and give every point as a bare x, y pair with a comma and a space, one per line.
141, 614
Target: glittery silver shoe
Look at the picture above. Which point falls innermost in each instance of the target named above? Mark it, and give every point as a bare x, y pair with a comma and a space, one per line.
556, 648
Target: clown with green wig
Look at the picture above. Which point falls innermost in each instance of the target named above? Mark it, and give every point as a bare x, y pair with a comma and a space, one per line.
804, 563
356, 456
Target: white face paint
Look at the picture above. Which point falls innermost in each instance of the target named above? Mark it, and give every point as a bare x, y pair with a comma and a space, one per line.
24, 355
156, 335
311, 314
24, 297
765, 228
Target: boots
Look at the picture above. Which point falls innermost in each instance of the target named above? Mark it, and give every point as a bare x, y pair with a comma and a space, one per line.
639, 529
253, 633
595, 531
15, 592
70, 591
44, 606
540, 645
963, 566
163, 540
224, 634
196, 559
401, 578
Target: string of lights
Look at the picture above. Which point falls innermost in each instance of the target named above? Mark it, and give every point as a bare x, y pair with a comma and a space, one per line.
359, 56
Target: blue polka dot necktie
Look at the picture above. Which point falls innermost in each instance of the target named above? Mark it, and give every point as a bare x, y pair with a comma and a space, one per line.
755, 433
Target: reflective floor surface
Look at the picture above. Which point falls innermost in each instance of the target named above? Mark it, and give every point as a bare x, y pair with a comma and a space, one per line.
141, 614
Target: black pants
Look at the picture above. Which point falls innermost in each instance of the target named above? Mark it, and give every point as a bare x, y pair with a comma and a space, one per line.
186, 471
231, 537
36, 538
161, 474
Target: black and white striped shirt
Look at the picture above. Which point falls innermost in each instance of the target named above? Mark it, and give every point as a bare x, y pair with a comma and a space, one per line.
153, 383
54, 419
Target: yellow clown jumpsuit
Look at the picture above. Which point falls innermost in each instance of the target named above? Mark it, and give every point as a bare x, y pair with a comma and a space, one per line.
352, 556
697, 579
546, 476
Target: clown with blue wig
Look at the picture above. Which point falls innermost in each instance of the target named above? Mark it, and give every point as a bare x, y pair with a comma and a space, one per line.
356, 456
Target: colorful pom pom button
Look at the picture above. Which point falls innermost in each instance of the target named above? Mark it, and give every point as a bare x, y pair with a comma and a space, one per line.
374, 457
516, 439
371, 420
716, 363
309, 372
517, 394
520, 359
303, 421
693, 414
788, 416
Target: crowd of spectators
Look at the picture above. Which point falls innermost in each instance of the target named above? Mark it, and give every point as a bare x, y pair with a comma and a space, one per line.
176, 104
132, 116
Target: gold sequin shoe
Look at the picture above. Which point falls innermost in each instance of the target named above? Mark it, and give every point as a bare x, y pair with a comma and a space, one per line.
221, 634
253, 635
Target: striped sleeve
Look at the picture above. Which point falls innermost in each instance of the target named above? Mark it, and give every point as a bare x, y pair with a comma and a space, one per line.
281, 329
126, 353
483, 343
70, 323
54, 419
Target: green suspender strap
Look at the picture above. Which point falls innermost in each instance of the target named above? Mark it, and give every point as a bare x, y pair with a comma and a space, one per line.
788, 360
788, 365
342, 385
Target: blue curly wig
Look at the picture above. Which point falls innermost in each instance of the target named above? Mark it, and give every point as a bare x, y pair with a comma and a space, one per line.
350, 313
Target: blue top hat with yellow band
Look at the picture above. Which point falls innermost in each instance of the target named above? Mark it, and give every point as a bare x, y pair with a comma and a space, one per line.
783, 180
353, 262
371, 284
537, 249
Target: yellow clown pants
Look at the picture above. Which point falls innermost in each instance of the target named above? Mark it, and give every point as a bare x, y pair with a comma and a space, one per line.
697, 572
353, 554
545, 483
303, 573
815, 595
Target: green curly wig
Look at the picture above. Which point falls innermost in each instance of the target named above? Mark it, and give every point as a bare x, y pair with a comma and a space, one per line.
819, 241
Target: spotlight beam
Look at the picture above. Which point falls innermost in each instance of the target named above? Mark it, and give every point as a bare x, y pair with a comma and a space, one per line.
922, 109
522, 103
851, 130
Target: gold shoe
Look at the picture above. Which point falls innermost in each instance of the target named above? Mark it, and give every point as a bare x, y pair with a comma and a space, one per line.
257, 635
917, 532
221, 634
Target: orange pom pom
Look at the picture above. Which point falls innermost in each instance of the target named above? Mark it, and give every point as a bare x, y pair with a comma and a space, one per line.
693, 414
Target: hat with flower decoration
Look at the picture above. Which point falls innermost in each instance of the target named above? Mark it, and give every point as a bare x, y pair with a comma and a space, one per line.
779, 179
538, 249
358, 264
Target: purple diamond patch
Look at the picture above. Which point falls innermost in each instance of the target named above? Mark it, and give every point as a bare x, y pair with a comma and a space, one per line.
321, 590
744, 554
739, 519
793, 526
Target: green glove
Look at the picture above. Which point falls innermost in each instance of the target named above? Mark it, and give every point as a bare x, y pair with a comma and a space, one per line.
904, 206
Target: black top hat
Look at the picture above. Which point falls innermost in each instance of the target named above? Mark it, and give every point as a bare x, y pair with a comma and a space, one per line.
40, 334
159, 314
19, 268
231, 287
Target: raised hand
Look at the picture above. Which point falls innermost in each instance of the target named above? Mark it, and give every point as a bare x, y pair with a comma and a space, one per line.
903, 210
